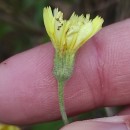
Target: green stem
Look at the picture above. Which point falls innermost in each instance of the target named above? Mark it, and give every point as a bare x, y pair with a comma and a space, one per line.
61, 101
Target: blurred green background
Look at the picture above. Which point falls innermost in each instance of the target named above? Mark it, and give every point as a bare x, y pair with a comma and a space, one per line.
21, 28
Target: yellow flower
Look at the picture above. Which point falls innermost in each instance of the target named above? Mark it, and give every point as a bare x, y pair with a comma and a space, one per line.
8, 127
68, 36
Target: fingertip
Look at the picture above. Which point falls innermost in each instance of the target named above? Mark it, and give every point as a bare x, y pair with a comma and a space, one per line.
94, 125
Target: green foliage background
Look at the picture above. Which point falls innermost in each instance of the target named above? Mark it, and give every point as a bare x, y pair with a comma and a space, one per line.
21, 28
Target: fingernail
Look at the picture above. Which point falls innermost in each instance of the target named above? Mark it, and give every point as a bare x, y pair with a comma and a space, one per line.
95, 125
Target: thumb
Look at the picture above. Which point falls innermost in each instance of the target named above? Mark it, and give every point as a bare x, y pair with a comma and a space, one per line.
95, 125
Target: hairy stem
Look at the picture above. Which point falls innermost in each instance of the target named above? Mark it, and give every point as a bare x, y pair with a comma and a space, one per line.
61, 101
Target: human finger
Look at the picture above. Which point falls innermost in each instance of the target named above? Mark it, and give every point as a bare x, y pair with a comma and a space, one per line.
101, 78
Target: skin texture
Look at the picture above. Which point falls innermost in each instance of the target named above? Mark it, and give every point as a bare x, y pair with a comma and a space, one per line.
101, 78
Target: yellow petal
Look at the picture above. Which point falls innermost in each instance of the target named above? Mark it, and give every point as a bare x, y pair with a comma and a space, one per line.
58, 25
83, 34
49, 22
70, 35
97, 24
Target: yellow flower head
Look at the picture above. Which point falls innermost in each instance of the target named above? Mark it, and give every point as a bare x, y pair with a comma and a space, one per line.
68, 36
8, 127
